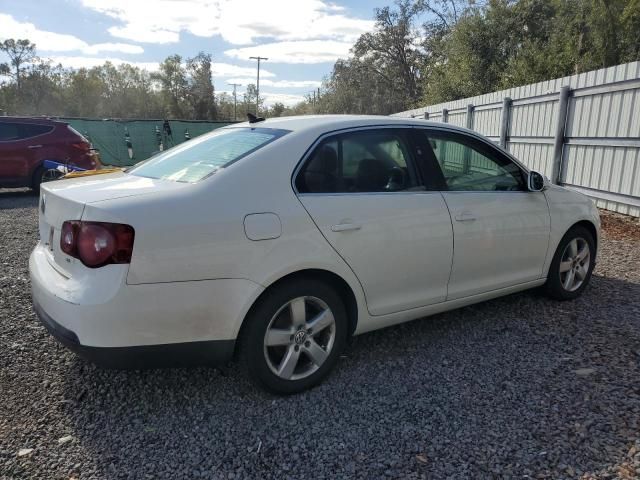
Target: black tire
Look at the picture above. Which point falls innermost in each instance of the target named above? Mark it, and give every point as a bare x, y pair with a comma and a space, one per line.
253, 353
39, 177
554, 286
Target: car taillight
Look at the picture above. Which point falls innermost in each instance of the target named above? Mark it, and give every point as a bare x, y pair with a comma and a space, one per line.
97, 243
83, 146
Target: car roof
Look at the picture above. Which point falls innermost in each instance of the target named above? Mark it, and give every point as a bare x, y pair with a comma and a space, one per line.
337, 122
322, 124
35, 120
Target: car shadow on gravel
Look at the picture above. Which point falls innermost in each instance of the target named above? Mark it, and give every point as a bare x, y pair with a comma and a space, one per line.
17, 198
516, 386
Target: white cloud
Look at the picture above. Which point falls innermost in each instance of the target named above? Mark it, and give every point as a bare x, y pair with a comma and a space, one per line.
269, 98
240, 22
277, 83
89, 62
112, 47
229, 70
133, 33
309, 51
288, 100
246, 20
57, 42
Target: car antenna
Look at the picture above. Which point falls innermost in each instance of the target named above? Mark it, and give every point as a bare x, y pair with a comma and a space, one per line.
253, 119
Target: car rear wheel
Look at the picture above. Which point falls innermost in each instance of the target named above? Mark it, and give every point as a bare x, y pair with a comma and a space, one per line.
572, 265
294, 336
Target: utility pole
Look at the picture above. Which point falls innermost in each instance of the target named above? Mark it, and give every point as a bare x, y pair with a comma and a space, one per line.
235, 102
258, 58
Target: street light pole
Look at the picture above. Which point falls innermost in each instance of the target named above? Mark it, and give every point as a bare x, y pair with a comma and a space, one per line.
258, 81
235, 102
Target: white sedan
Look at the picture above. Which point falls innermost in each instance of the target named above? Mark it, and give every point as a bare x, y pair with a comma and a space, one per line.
279, 239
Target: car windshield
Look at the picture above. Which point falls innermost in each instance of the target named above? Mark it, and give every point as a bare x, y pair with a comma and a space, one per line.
198, 158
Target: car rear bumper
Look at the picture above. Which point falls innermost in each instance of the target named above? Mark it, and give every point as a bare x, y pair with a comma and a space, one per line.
133, 326
212, 352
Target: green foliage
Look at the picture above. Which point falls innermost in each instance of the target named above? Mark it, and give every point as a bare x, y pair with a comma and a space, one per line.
181, 90
432, 51
507, 43
420, 52
20, 52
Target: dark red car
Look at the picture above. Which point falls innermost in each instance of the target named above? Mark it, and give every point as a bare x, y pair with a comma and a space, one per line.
27, 142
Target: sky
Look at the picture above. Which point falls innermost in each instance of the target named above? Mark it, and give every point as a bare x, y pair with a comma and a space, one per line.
301, 38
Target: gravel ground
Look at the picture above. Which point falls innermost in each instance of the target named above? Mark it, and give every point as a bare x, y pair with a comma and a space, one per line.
520, 387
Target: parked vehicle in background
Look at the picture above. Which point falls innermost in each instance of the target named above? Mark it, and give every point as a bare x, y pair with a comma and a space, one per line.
285, 237
25, 143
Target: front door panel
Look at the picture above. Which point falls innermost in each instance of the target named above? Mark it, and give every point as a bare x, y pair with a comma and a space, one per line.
500, 239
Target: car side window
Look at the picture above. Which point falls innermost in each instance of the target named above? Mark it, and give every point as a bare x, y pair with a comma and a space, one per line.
8, 132
29, 130
359, 162
21, 131
468, 165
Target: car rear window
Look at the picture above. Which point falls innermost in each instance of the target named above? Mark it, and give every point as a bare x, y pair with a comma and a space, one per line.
28, 130
198, 158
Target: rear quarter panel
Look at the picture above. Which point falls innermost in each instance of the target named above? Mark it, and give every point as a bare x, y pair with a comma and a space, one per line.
197, 233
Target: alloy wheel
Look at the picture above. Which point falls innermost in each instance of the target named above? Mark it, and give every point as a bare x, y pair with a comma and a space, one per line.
574, 264
299, 338
50, 175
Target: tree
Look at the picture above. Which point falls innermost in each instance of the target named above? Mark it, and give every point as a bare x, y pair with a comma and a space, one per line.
20, 52
200, 87
84, 91
249, 100
390, 51
173, 81
276, 110
42, 88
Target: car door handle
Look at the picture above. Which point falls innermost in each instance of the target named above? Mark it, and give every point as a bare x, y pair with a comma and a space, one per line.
465, 217
345, 227
34, 146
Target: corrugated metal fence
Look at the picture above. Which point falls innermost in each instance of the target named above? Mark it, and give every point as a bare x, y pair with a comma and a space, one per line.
581, 131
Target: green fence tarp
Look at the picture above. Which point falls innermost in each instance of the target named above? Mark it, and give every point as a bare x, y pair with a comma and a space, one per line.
108, 136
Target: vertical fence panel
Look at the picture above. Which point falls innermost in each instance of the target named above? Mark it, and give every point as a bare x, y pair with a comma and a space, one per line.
582, 130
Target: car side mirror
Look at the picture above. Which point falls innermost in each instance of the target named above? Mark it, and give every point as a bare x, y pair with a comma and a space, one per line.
536, 182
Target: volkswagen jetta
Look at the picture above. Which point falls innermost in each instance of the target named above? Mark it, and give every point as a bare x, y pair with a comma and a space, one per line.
279, 239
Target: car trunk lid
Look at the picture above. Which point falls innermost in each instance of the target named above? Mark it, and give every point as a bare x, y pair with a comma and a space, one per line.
66, 200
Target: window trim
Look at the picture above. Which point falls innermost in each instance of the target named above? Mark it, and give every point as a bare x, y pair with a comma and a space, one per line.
309, 152
487, 146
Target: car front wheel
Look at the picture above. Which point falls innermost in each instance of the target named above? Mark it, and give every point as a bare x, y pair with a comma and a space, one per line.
572, 265
294, 336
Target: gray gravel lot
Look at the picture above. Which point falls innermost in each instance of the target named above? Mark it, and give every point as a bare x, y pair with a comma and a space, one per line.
520, 387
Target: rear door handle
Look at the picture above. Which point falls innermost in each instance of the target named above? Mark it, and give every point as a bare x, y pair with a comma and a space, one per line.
34, 146
465, 217
345, 227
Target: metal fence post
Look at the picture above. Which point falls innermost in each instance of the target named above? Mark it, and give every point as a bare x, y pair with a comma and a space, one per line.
466, 159
445, 115
470, 109
426, 115
558, 144
504, 122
